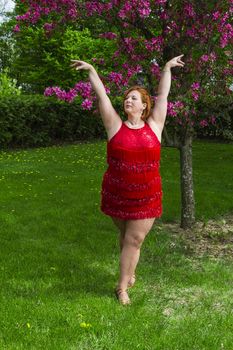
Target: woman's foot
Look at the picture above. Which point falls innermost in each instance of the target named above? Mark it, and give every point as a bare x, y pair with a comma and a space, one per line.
132, 281
122, 296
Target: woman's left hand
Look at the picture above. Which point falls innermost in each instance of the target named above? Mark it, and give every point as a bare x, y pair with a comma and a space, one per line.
175, 62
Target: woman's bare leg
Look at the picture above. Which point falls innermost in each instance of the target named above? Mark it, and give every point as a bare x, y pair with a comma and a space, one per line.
135, 233
120, 224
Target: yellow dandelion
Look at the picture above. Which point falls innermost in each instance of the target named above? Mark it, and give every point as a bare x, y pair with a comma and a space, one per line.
85, 325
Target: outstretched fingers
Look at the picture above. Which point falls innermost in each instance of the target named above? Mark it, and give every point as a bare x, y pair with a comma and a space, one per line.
80, 65
179, 61
76, 64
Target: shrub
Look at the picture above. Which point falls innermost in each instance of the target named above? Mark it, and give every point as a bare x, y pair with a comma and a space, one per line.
8, 86
33, 120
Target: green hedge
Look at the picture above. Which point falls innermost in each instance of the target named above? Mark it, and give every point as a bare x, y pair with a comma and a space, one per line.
34, 120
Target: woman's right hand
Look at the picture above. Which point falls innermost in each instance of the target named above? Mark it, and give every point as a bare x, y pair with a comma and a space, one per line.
110, 117
78, 65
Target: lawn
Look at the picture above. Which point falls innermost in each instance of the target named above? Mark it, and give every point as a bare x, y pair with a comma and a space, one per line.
59, 257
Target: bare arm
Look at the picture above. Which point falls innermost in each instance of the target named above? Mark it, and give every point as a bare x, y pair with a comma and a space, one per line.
159, 111
111, 119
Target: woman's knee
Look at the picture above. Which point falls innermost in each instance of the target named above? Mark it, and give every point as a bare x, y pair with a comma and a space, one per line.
134, 239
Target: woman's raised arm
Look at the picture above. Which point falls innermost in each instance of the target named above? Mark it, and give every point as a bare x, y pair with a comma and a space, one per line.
159, 111
110, 117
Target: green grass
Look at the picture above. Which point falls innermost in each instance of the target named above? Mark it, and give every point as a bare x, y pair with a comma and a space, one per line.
59, 257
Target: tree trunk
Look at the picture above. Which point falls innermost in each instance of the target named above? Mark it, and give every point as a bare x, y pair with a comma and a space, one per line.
187, 194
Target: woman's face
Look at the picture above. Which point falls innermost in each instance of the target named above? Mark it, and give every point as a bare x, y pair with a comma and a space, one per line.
133, 103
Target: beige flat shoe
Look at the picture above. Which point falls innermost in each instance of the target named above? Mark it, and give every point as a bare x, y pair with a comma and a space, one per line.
132, 281
122, 296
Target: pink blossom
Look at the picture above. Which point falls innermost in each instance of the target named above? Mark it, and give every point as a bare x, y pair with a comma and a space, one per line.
144, 12
172, 27
131, 71
204, 123
204, 58
125, 25
189, 11
227, 35
125, 82
46, 10
16, 28
195, 96
216, 15
108, 35
144, 9
87, 104
171, 110
48, 91
93, 7
226, 71
129, 44
123, 13
126, 65
223, 41
48, 26
83, 88
131, 8
115, 78
101, 61
176, 108
179, 104
191, 32
154, 44
213, 56
24, 17
67, 9
155, 70
160, 2
195, 86
193, 111
213, 119
61, 94
108, 91
70, 95
72, 13
164, 16
116, 54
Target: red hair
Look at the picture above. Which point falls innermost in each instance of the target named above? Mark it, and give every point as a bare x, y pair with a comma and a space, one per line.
146, 98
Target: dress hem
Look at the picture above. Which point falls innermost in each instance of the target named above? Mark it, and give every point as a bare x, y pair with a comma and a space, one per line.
136, 216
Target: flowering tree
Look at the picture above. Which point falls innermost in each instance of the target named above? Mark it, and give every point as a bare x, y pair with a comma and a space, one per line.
147, 34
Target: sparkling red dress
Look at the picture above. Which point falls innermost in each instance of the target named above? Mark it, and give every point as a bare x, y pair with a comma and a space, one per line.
131, 187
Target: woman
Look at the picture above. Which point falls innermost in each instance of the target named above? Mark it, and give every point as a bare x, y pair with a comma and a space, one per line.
131, 188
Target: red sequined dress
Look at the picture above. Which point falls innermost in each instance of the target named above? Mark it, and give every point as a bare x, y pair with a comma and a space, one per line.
131, 187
